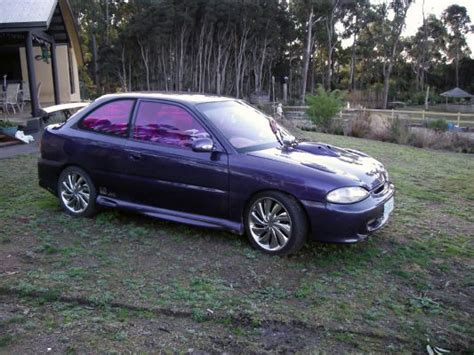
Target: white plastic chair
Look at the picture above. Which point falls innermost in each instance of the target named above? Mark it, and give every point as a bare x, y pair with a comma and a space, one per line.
12, 97
25, 94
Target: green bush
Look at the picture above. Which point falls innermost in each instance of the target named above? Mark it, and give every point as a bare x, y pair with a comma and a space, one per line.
324, 106
439, 125
7, 124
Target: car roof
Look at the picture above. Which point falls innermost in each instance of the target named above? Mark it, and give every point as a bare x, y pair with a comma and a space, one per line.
182, 98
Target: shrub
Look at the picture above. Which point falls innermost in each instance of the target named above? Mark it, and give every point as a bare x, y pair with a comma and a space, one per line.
379, 127
7, 124
324, 106
398, 132
428, 138
439, 125
359, 125
422, 137
337, 128
371, 126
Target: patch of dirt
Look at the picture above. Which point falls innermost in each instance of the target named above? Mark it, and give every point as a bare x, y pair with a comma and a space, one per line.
11, 263
99, 330
284, 338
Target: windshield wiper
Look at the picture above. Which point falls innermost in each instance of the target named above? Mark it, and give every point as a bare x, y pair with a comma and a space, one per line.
284, 138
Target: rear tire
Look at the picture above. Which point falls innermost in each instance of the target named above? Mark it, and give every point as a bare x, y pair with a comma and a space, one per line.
275, 223
77, 193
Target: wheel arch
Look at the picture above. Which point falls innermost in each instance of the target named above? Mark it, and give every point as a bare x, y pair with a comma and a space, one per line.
71, 165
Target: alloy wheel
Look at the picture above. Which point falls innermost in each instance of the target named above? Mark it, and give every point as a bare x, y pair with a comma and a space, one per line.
75, 193
270, 224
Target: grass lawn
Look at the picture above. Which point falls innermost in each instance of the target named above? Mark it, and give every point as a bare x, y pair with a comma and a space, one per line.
124, 282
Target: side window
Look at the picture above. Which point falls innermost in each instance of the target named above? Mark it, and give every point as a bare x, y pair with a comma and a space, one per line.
166, 124
112, 118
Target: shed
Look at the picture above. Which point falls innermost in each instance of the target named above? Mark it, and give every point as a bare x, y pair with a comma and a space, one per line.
456, 92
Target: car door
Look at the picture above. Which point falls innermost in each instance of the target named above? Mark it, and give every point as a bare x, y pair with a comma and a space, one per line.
167, 173
99, 145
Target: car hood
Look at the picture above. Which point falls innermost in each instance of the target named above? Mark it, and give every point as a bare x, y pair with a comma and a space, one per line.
359, 168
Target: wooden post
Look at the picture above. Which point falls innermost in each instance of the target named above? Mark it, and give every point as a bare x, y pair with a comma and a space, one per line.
393, 114
427, 96
423, 115
285, 93
31, 75
459, 119
54, 69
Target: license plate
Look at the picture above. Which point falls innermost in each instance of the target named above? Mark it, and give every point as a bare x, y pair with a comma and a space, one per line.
388, 208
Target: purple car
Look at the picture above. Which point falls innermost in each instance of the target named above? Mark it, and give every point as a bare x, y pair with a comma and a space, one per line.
213, 162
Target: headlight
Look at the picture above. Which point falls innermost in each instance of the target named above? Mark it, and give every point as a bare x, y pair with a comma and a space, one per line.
347, 195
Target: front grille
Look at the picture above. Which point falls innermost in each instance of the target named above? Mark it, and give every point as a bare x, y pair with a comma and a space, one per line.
381, 189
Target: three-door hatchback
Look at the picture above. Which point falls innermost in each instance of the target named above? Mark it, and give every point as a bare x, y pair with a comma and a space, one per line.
213, 162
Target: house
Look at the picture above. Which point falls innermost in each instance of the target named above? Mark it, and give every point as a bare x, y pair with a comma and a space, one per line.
40, 49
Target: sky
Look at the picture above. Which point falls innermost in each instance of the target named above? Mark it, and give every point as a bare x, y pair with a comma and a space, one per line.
415, 15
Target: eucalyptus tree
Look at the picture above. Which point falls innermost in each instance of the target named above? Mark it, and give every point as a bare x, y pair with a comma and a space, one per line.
426, 48
356, 17
455, 17
308, 13
391, 31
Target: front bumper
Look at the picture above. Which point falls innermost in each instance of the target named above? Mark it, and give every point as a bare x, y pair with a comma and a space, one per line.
337, 223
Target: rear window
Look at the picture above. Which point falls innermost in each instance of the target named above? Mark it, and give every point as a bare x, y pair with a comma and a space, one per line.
113, 118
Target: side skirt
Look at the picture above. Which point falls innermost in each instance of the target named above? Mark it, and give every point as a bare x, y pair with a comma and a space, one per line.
175, 216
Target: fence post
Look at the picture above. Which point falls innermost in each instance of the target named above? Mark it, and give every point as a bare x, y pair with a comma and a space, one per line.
340, 114
393, 114
459, 119
423, 115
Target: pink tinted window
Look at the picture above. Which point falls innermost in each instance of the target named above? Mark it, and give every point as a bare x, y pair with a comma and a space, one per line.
112, 118
166, 124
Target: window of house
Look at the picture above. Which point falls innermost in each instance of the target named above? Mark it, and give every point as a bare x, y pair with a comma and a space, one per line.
112, 118
166, 124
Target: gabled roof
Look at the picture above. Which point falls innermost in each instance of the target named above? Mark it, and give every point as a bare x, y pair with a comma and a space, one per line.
456, 92
26, 13
51, 16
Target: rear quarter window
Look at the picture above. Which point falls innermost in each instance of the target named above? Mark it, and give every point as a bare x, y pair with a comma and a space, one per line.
112, 118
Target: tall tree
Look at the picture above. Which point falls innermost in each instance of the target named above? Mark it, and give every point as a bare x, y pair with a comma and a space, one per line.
456, 18
392, 29
426, 48
308, 14
356, 17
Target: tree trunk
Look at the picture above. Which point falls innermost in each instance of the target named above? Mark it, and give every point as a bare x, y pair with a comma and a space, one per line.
397, 31
353, 61
457, 64
124, 71
95, 60
306, 56
145, 57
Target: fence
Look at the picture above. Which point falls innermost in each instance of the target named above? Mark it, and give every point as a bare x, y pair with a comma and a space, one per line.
460, 119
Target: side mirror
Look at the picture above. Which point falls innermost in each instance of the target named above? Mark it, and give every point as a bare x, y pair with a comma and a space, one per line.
203, 145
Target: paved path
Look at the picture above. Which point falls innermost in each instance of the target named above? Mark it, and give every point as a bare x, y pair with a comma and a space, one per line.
17, 149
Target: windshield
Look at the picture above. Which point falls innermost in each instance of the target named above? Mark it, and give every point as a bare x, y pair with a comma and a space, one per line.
245, 127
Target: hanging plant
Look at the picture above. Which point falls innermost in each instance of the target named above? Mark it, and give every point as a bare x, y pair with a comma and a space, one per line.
45, 54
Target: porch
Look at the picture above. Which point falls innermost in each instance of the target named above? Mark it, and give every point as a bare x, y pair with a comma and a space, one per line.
39, 58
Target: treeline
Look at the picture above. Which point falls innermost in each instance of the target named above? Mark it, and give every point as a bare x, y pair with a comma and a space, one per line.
235, 47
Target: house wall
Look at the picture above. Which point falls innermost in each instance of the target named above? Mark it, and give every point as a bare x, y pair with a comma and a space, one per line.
44, 75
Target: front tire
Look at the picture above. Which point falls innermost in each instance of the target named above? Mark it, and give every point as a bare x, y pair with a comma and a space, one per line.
276, 223
77, 193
